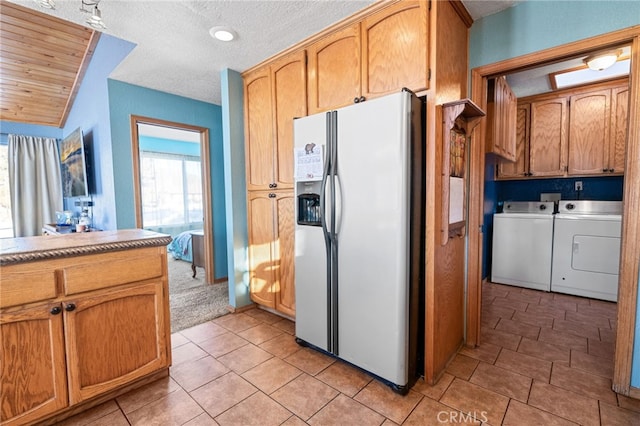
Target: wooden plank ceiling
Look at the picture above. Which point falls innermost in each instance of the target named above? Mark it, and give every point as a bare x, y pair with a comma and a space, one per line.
42, 62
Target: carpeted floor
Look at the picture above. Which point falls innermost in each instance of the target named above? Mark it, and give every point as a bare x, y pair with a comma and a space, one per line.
191, 301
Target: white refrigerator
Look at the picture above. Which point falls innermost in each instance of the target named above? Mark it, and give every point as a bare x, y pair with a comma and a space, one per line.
359, 240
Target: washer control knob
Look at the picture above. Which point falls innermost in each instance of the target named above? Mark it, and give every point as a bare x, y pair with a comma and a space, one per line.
571, 206
543, 207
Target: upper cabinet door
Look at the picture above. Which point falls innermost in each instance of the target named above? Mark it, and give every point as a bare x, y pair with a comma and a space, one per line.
618, 132
520, 167
394, 49
548, 143
334, 70
589, 133
259, 133
289, 85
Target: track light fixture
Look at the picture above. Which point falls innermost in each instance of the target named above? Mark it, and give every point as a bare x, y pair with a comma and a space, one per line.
95, 21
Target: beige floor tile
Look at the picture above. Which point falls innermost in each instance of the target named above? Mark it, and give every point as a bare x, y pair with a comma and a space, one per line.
193, 374
519, 414
601, 349
489, 321
528, 297
223, 393
281, 346
500, 338
222, 344
565, 404
343, 410
583, 383
286, 325
436, 391
92, 415
115, 418
498, 310
611, 415
178, 339
186, 352
345, 378
600, 307
577, 328
260, 333
147, 394
294, 421
310, 361
502, 381
174, 409
271, 375
236, 322
607, 335
545, 351
534, 319
592, 364
482, 403
304, 396
430, 412
486, 352
560, 338
203, 331
262, 315
517, 305
578, 300
258, 409
526, 365
547, 311
592, 319
390, 404
519, 328
202, 420
462, 366
565, 305
244, 358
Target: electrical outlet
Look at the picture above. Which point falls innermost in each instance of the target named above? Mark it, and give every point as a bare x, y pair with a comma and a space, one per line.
578, 185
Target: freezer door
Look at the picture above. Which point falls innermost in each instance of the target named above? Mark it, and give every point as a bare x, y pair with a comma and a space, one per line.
312, 320
373, 235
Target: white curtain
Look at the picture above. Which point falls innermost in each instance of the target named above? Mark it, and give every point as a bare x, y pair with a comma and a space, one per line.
35, 183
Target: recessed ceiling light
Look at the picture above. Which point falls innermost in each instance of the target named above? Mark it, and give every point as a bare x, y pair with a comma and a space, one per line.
223, 33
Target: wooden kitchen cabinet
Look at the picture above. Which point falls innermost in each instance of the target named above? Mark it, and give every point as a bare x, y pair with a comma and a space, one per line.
548, 137
598, 131
274, 95
520, 167
271, 251
502, 114
34, 379
81, 316
334, 72
394, 49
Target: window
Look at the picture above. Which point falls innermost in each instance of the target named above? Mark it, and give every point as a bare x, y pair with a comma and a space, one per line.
171, 189
6, 224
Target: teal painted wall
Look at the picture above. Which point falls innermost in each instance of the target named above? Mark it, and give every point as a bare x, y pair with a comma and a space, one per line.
125, 100
235, 182
536, 25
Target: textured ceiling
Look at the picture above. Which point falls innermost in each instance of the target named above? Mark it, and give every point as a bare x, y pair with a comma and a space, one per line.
175, 53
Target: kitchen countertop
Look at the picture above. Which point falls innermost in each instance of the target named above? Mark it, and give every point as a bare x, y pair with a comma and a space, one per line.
28, 249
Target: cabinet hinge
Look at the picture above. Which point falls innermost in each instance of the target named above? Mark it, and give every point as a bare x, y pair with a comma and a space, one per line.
429, 75
429, 5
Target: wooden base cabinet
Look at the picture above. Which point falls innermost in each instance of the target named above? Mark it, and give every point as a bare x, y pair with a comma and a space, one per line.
271, 261
34, 379
77, 323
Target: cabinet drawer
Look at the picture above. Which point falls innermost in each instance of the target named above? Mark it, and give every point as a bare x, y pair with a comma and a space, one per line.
23, 287
115, 269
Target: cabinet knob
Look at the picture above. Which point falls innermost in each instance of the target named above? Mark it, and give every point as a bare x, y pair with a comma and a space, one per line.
356, 100
70, 307
55, 310
605, 170
362, 99
611, 170
272, 195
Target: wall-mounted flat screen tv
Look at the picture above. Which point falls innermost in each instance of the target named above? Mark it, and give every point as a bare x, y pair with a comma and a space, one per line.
74, 170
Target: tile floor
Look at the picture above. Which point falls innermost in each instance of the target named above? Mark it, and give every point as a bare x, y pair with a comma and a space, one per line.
546, 359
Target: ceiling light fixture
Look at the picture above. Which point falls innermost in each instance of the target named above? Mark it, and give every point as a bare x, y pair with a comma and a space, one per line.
603, 60
223, 33
47, 4
95, 21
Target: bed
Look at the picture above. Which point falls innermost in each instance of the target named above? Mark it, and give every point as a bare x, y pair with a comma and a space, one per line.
180, 246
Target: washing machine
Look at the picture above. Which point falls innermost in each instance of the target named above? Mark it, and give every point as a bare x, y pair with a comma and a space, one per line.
522, 243
586, 249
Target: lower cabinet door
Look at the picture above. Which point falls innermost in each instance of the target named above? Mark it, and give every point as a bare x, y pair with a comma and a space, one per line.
32, 362
114, 338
